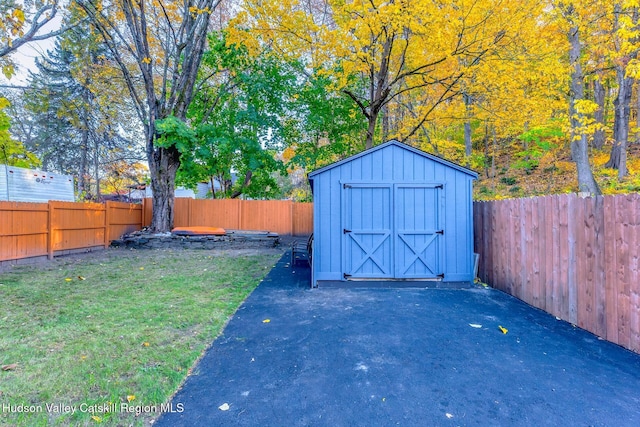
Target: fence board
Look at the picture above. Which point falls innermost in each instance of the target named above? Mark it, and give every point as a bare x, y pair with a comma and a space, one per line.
622, 249
76, 225
599, 266
23, 230
124, 218
579, 259
302, 219
634, 277
610, 273
581, 293
540, 239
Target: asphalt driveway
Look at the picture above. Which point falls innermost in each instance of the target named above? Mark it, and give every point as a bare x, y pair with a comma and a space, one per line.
292, 356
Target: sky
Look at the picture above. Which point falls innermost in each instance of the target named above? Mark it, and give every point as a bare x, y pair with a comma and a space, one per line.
26, 55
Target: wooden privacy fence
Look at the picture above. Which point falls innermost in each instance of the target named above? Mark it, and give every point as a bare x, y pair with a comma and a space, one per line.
576, 258
279, 216
30, 230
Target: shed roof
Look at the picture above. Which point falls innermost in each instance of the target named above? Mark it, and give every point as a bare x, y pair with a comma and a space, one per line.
399, 144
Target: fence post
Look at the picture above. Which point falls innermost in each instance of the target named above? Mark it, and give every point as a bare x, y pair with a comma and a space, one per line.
292, 224
142, 209
107, 219
50, 230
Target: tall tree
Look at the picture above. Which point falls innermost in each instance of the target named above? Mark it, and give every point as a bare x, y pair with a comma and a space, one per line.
158, 46
393, 48
625, 48
579, 107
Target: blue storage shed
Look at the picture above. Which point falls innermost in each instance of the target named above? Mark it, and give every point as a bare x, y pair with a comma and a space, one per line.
392, 213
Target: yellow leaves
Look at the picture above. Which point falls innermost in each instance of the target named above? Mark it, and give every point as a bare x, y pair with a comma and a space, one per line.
195, 10
96, 418
131, 397
266, 321
146, 60
585, 106
503, 329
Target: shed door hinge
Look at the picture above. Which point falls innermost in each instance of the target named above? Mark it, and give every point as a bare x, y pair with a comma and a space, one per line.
345, 231
440, 186
346, 276
346, 186
441, 276
440, 232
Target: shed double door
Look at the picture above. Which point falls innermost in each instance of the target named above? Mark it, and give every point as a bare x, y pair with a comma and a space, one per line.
392, 231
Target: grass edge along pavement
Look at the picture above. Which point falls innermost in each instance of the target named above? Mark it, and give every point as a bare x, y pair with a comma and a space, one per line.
83, 338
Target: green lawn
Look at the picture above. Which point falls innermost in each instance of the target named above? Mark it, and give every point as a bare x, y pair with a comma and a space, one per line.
117, 327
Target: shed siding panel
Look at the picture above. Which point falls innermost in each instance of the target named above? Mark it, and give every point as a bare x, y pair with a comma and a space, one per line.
394, 165
336, 222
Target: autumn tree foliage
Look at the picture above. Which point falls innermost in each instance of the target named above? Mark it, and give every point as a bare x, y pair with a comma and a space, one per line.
23, 22
158, 47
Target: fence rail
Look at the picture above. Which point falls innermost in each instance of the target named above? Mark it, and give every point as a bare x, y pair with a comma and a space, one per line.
576, 258
29, 230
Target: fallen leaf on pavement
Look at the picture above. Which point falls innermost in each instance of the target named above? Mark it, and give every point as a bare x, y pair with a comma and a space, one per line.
224, 407
503, 330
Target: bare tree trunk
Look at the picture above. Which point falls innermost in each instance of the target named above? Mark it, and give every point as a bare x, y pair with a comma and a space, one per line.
622, 103
468, 147
163, 170
618, 156
599, 98
386, 125
579, 143
486, 149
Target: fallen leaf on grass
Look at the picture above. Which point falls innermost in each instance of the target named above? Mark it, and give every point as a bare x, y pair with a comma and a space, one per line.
141, 268
131, 397
96, 418
503, 330
68, 279
10, 367
224, 407
81, 278
266, 321
145, 344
